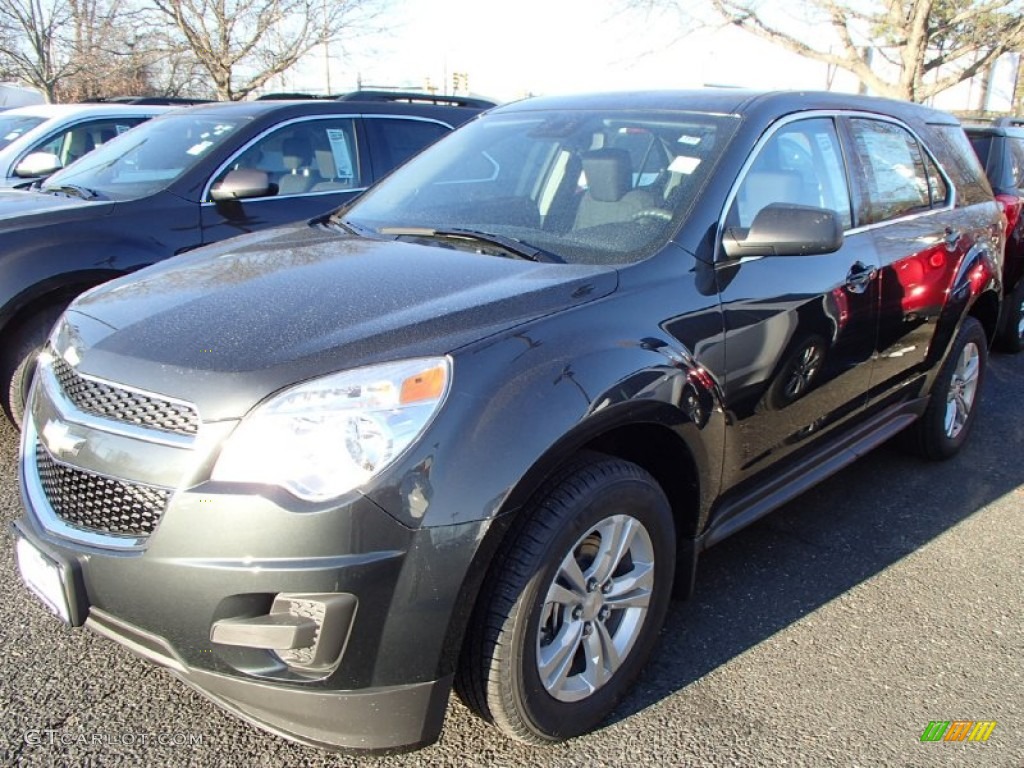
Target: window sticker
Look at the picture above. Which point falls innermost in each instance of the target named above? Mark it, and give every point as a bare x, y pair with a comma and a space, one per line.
121, 128
684, 164
690, 141
198, 149
12, 135
340, 151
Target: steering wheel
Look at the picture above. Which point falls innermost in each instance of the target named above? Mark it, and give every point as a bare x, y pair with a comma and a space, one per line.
652, 213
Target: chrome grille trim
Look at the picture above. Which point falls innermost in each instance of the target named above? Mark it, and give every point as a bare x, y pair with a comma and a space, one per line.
117, 402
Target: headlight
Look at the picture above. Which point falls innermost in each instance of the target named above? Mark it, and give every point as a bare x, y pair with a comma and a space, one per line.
327, 436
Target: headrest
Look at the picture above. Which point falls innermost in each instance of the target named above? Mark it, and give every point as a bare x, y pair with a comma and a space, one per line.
296, 152
608, 173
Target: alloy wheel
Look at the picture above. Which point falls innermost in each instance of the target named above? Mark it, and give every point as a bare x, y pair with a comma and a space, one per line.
962, 389
595, 608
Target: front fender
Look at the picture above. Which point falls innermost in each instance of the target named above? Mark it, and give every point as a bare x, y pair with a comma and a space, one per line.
522, 402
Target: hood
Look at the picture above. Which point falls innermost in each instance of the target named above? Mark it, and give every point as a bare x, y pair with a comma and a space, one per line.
227, 325
18, 203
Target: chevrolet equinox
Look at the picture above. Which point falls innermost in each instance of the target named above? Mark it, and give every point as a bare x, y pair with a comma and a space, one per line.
476, 428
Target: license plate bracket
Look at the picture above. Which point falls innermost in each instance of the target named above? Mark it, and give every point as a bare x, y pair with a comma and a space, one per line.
50, 579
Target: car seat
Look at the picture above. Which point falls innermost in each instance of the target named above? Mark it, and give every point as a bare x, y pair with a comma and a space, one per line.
610, 197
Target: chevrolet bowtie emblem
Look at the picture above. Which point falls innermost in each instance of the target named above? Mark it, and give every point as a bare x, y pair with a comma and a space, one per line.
59, 440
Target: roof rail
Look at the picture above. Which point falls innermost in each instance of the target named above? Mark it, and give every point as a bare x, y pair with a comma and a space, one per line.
417, 97
1008, 122
288, 96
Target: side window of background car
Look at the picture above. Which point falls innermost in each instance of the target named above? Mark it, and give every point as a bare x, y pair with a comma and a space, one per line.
800, 164
1017, 162
80, 139
395, 140
305, 157
897, 179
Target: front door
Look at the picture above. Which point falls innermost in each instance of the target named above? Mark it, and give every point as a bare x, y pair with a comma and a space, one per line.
314, 165
799, 330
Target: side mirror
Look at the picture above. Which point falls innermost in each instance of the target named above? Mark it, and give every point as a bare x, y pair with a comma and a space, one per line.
37, 164
242, 183
781, 229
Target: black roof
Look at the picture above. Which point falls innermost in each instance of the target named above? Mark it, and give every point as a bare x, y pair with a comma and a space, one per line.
284, 109
731, 101
382, 95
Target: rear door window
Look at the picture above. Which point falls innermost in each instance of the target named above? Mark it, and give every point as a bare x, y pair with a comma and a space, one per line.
394, 140
893, 171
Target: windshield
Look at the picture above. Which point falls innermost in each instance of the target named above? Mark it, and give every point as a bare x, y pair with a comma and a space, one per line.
147, 158
13, 127
588, 187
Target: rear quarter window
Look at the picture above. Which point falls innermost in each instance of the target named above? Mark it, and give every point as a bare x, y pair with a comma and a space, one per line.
958, 159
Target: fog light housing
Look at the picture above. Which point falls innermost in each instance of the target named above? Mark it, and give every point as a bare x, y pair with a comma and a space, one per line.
306, 631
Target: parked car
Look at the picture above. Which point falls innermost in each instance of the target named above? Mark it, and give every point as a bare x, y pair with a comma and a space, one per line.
478, 425
37, 140
195, 176
1000, 147
14, 95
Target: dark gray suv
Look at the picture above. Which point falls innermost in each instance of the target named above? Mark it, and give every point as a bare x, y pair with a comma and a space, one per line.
475, 428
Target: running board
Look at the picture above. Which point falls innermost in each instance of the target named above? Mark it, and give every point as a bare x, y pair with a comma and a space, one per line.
741, 512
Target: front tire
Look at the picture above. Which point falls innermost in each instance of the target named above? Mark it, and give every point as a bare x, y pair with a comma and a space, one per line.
569, 614
953, 402
18, 365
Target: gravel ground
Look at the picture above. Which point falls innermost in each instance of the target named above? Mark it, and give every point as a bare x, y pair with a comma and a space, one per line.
829, 633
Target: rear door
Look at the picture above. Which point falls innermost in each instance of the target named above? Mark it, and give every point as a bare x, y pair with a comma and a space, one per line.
394, 139
905, 202
800, 330
315, 164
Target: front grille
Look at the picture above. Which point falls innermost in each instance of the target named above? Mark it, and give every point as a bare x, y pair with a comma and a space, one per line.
112, 402
88, 500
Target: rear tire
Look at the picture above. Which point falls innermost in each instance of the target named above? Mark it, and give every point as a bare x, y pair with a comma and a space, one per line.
569, 614
953, 402
18, 365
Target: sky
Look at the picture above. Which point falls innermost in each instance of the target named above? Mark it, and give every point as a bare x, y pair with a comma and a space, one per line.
511, 50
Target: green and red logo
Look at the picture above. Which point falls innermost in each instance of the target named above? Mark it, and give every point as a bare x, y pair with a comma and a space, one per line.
958, 730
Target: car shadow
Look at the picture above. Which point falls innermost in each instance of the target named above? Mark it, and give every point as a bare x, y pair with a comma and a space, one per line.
841, 533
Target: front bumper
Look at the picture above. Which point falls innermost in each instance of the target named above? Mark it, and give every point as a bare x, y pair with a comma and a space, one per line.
386, 685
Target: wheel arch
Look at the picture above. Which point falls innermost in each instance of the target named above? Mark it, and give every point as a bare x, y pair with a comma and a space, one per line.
651, 444
986, 309
53, 290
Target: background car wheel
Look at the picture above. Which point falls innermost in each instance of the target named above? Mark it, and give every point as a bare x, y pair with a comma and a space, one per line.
946, 422
569, 614
19, 360
1012, 338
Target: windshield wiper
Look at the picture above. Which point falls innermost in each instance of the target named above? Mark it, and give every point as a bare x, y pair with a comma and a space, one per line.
508, 244
73, 190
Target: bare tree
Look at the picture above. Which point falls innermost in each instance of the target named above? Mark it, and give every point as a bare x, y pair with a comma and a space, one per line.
930, 45
75, 49
32, 46
242, 44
